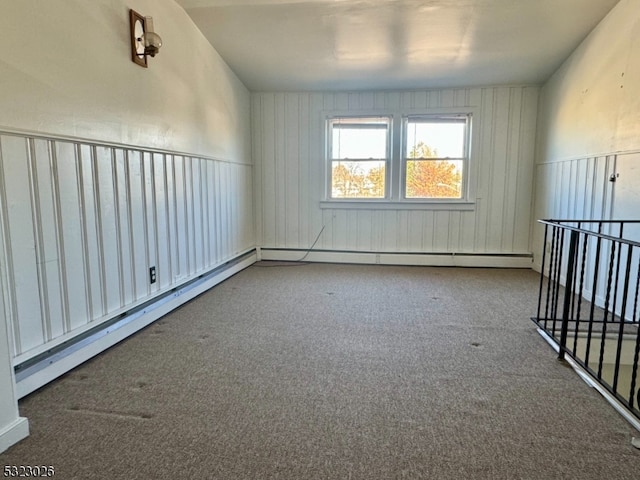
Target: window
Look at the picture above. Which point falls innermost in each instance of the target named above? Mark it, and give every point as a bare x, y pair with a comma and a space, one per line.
396, 158
435, 156
359, 153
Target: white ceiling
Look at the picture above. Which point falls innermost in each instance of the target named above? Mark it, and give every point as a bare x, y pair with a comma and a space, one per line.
291, 45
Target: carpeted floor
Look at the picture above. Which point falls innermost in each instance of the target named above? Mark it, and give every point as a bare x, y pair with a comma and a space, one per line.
333, 372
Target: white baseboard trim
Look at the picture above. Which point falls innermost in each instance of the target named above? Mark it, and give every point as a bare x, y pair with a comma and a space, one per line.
58, 364
410, 259
593, 383
13, 433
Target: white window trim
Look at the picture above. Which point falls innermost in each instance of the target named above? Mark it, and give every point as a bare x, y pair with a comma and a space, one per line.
410, 204
394, 199
465, 159
329, 154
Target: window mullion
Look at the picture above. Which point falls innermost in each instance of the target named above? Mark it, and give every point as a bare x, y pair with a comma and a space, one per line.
394, 180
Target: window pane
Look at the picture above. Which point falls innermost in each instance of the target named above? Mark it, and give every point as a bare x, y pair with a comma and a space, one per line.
434, 179
435, 138
364, 179
359, 138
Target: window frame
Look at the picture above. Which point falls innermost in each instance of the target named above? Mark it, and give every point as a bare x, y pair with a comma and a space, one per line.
466, 149
329, 122
395, 180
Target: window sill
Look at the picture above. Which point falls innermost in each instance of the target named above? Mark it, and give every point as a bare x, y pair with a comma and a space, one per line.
397, 205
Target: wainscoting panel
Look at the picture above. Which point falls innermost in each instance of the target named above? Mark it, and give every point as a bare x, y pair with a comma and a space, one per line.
83, 223
288, 149
601, 187
572, 189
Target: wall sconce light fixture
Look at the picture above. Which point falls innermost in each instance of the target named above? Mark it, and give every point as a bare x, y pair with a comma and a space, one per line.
144, 41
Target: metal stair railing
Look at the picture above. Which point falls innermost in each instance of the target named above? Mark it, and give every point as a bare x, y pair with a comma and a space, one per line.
588, 302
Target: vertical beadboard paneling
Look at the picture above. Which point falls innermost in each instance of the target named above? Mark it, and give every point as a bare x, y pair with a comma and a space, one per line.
303, 158
312, 187
291, 155
225, 207
232, 231
150, 223
90, 232
454, 231
510, 184
189, 215
257, 145
108, 233
525, 170
213, 214
288, 150
81, 224
180, 219
196, 201
123, 227
268, 211
137, 223
500, 132
20, 241
401, 230
282, 177
49, 253
572, 189
414, 231
77, 294
218, 213
441, 231
39, 240
389, 227
161, 234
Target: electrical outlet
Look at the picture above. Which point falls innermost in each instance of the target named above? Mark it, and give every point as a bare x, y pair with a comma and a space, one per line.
152, 275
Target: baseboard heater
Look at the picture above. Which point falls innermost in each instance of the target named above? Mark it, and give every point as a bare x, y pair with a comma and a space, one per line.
49, 365
439, 259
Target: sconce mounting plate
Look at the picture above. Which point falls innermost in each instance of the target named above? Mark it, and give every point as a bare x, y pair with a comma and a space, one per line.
138, 27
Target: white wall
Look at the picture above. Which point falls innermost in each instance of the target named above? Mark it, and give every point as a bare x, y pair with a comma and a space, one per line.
589, 124
288, 149
107, 168
66, 69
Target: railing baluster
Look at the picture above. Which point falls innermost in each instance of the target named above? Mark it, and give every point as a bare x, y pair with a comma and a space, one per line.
580, 290
544, 257
594, 292
606, 308
550, 282
568, 293
616, 283
557, 277
575, 278
623, 312
552, 275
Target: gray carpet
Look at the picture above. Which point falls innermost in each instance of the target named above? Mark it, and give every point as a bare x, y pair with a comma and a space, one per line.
334, 372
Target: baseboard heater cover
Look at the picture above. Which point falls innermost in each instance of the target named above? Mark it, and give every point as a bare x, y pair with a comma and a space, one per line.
491, 260
46, 367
